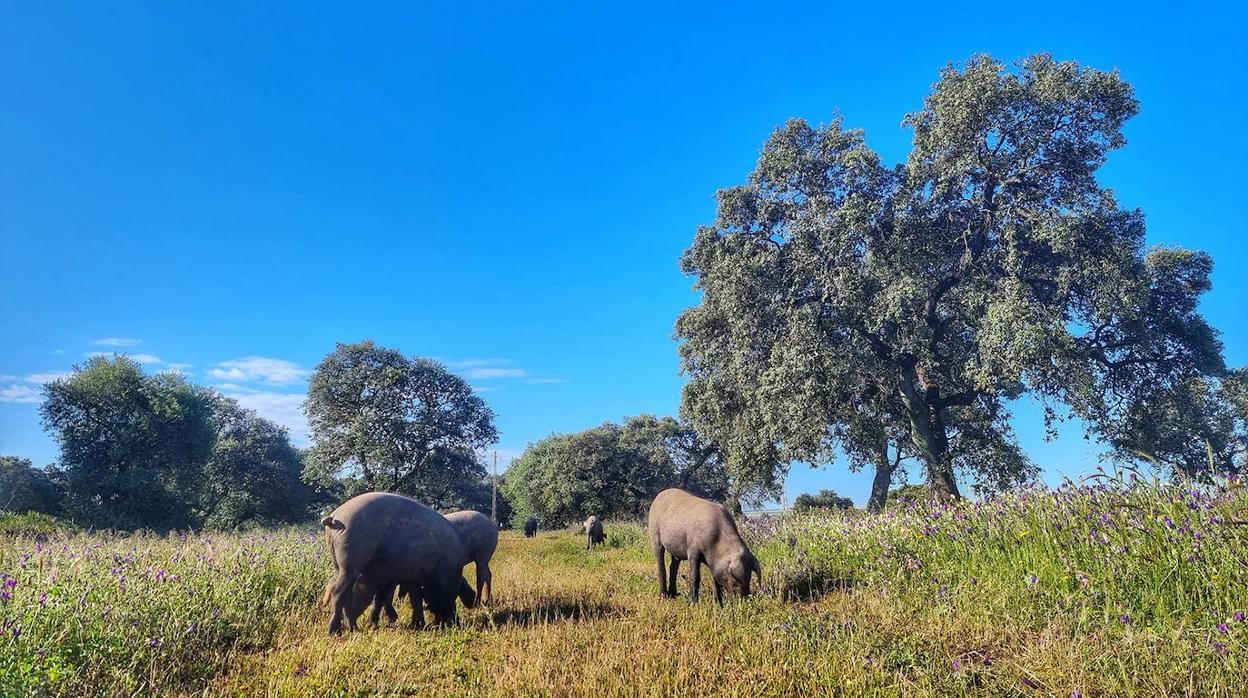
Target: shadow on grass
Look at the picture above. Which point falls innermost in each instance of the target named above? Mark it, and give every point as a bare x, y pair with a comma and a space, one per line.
813, 587
556, 610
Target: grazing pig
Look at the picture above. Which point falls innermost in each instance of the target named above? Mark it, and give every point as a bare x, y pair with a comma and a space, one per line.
378, 539
479, 535
383, 600
530, 527
702, 532
593, 532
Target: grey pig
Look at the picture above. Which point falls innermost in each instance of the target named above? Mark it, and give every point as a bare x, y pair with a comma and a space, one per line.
479, 534
593, 532
702, 532
379, 539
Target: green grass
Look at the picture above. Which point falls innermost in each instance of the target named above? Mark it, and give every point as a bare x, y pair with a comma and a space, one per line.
1085, 590
32, 524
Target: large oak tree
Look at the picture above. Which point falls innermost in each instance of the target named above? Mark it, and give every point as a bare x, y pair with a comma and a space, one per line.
133, 446
394, 423
154, 451
848, 305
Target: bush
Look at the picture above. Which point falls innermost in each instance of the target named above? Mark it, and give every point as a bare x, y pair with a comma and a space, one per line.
32, 524
826, 499
23, 487
626, 535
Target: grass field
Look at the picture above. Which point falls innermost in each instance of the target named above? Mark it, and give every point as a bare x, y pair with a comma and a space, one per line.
1111, 588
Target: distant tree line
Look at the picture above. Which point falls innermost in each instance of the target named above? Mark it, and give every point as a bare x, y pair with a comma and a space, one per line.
154, 451
158, 452
614, 470
826, 499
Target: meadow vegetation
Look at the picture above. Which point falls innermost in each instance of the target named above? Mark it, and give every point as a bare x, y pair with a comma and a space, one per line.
1112, 586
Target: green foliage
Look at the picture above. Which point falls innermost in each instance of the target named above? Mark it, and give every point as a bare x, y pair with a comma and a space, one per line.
826, 499
562, 479
847, 305
24, 487
476, 495
1190, 428
696, 465
253, 477
910, 493
612, 471
32, 524
155, 452
132, 445
387, 422
621, 534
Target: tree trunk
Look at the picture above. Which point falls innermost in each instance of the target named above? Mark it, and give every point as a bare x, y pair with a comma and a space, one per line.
928, 433
880, 484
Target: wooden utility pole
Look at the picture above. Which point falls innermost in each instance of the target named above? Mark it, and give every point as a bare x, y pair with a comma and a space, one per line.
494, 491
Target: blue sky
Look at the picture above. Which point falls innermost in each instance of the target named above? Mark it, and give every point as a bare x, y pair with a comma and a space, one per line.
233, 188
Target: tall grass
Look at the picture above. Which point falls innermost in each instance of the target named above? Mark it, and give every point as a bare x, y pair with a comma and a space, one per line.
132, 614
1110, 551
1109, 587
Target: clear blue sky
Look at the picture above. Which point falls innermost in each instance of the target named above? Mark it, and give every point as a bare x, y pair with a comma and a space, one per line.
504, 186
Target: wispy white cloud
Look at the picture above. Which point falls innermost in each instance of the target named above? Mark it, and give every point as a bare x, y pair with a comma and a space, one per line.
482, 389
475, 363
23, 390
235, 387
495, 369
258, 369
21, 394
45, 377
146, 358
58, 352
284, 408
487, 373
117, 342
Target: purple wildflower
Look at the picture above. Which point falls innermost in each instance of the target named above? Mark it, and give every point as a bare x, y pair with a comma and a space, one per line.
1125, 618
